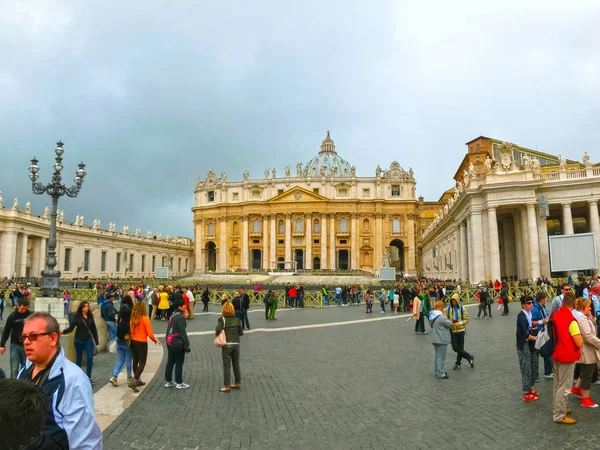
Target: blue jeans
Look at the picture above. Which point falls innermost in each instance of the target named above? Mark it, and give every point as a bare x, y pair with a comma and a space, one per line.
112, 330
338, 299
17, 359
124, 355
440, 359
325, 300
80, 346
244, 319
292, 301
382, 303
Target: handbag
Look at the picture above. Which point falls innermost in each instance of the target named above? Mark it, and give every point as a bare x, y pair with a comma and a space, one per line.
95, 349
221, 339
112, 348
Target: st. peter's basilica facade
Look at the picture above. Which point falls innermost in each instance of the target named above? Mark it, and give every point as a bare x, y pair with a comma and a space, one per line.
312, 217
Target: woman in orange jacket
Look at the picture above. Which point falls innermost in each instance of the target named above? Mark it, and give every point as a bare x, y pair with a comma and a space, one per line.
140, 329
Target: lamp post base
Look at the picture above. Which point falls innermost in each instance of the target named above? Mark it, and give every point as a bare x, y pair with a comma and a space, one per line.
50, 283
55, 306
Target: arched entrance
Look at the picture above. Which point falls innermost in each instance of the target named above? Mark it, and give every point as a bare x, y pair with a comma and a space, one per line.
299, 258
397, 254
211, 256
256, 259
280, 263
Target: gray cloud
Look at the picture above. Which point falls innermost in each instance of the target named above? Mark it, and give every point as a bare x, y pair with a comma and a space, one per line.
152, 95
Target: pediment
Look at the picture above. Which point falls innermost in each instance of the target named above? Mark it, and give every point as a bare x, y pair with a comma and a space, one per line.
297, 194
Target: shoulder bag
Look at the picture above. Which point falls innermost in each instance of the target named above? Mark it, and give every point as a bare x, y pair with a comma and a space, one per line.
95, 350
221, 339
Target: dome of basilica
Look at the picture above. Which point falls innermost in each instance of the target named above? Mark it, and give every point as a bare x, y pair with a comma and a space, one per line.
327, 162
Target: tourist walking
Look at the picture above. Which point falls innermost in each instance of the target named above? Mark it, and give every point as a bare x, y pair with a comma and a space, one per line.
205, 298
140, 330
191, 302
231, 351
505, 298
417, 314
459, 317
244, 307
382, 300
2, 304
588, 360
124, 357
568, 341
178, 345
526, 352
163, 304
440, 338
107, 312
267, 304
325, 296
273, 302
484, 301
13, 329
369, 301
86, 337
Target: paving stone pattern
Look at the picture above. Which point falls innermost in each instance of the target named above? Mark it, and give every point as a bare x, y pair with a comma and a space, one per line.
359, 386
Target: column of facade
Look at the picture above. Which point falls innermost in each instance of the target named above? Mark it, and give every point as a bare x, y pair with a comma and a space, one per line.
412, 245
378, 241
265, 238
288, 237
510, 257
324, 264
595, 228
485, 230
456, 268
222, 245
273, 247
199, 255
525, 240
354, 252
477, 239
470, 250
308, 236
493, 244
464, 259
245, 238
332, 240
22, 272
519, 247
534, 247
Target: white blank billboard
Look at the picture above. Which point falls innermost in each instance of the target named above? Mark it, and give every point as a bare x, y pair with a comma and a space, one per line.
573, 252
161, 272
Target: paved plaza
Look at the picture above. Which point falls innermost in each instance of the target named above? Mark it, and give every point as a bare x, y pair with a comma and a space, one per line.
365, 385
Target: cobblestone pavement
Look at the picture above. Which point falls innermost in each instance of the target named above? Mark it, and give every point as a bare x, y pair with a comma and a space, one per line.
362, 386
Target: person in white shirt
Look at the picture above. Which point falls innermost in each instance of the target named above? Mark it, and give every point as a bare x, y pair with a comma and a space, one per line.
192, 303
558, 300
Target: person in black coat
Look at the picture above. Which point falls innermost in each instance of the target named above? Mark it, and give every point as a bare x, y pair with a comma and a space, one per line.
205, 298
86, 336
245, 306
178, 345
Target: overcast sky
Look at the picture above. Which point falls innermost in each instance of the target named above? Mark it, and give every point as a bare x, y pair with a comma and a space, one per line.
150, 95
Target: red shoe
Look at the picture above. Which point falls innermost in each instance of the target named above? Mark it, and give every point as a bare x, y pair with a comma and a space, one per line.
588, 403
535, 394
529, 398
576, 391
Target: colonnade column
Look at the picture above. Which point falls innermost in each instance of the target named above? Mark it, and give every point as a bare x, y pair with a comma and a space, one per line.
223, 245
378, 244
510, 257
567, 225
477, 239
245, 238
198, 254
288, 238
273, 247
324, 264
471, 277
456, 268
354, 243
412, 245
485, 230
595, 228
464, 259
23, 266
544, 248
534, 248
332, 261
494, 245
265, 238
520, 248
8, 253
308, 237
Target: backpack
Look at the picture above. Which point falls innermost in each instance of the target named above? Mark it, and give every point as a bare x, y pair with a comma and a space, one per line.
170, 334
461, 312
547, 348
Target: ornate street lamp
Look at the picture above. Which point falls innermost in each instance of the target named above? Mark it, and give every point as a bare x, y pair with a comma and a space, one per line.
55, 189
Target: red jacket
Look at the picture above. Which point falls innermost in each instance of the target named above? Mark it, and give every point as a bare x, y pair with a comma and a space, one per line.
565, 351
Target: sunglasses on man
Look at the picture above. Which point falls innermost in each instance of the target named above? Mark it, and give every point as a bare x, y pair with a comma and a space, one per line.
32, 336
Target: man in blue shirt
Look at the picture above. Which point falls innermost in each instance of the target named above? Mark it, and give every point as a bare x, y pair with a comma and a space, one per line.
539, 318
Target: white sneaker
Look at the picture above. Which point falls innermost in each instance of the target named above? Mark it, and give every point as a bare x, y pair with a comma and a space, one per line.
170, 384
182, 386
382, 312
549, 376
